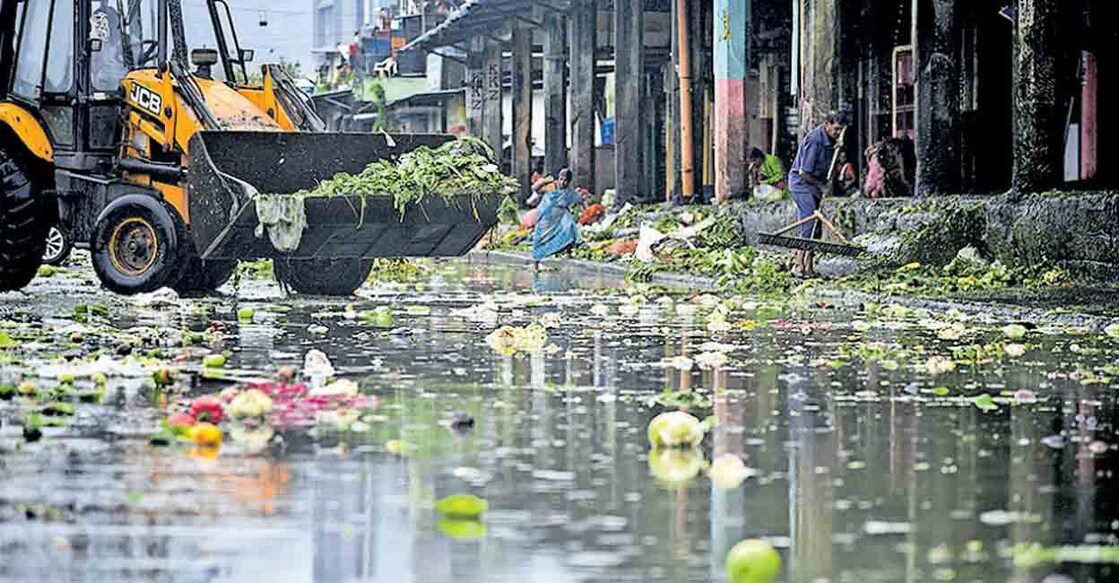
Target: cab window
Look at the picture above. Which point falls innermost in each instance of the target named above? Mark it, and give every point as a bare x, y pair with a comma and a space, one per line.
107, 66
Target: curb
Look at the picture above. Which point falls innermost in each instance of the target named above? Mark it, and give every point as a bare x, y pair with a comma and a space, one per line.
676, 279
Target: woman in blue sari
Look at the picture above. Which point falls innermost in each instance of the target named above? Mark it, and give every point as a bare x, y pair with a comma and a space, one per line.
556, 230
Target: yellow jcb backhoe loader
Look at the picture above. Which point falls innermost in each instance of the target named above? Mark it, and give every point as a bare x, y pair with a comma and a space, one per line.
154, 164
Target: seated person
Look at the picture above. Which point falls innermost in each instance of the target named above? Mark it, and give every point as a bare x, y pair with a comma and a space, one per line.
767, 176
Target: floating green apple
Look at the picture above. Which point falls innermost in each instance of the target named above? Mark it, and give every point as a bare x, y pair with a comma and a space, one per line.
753, 561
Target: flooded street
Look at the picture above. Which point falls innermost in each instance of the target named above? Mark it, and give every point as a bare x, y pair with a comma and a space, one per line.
883, 444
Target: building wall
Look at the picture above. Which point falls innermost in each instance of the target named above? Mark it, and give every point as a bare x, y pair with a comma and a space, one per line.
335, 21
272, 42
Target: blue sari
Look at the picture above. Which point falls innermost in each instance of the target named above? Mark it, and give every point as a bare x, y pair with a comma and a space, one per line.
556, 229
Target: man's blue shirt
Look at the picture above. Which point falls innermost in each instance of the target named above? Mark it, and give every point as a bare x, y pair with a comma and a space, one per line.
814, 157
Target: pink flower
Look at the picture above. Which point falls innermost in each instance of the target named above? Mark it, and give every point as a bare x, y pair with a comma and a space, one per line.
180, 420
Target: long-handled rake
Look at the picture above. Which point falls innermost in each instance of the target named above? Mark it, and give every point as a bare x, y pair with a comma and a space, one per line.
844, 247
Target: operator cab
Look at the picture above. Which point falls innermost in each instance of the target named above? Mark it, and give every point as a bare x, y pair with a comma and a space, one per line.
77, 98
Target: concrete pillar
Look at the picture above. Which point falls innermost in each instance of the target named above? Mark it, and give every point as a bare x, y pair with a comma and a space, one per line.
731, 129
629, 83
475, 89
937, 45
820, 61
492, 132
1038, 116
584, 40
522, 106
555, 96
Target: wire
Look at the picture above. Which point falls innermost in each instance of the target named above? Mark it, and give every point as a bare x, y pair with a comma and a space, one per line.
202, 4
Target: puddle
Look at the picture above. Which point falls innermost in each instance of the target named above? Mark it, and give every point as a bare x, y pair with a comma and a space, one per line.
867, 462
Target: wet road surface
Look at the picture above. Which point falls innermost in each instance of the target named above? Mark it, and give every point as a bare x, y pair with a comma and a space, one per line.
871, 460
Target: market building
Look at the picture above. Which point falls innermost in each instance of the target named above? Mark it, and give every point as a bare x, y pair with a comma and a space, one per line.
664, 97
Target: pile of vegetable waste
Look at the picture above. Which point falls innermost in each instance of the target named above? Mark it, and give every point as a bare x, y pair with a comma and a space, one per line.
460, 168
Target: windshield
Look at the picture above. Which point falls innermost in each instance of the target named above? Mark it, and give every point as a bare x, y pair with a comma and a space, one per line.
140, 29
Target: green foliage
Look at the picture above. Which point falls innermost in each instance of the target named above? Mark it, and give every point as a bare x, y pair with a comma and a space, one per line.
461, 167
509, 212
395, 270
960, 276
724, 233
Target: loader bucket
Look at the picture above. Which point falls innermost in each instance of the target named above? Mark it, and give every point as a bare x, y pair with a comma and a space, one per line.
227, 169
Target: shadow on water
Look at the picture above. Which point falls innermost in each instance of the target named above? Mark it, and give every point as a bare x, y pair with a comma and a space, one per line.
865, 470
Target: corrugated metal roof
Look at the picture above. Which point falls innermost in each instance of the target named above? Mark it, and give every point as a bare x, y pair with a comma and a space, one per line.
474, 15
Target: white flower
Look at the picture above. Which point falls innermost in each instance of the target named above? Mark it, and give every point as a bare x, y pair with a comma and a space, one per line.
250, 403
1014, 350
600, 310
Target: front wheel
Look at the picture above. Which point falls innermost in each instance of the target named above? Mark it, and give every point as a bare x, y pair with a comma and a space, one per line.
134, 247
58, 247
23, 226
324, 277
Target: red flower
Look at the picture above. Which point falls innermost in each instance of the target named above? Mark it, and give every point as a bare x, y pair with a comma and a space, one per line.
206, 408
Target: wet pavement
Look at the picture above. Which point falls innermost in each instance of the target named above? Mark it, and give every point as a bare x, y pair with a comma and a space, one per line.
872, 458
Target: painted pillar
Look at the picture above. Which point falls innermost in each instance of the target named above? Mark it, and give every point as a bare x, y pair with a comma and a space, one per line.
1038, 116
1089, 118
522, 106
937, 46
629, 83
584, 40
492, 132
555, 93
730, 99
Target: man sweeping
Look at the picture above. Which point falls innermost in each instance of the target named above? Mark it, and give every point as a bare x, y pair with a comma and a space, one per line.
809, 182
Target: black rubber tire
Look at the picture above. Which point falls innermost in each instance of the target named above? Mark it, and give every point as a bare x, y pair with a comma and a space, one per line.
23, 226
58, 250
323, 277
198, 277
137, 269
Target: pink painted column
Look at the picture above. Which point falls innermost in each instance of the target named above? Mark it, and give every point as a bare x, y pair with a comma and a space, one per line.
730, 99
1089, 119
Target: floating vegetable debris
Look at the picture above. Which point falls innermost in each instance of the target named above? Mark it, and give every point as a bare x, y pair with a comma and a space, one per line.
675, 468
728, 471
510, 340
461, 506
675, 429
753, 561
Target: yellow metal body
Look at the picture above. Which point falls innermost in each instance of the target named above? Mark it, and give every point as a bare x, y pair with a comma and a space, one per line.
28, 130
160, 123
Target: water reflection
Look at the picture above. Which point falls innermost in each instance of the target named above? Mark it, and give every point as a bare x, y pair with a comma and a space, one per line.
860, 477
